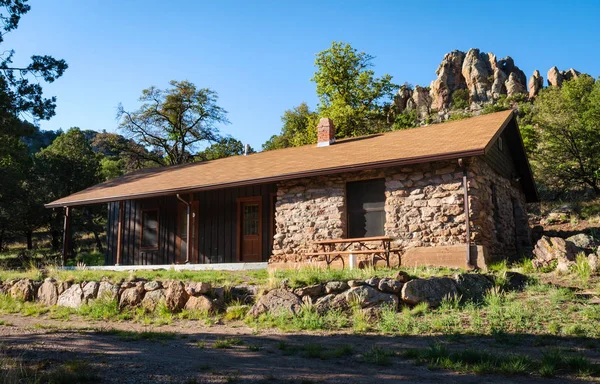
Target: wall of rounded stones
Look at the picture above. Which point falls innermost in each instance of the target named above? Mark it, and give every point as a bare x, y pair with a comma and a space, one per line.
175, 294
424, 207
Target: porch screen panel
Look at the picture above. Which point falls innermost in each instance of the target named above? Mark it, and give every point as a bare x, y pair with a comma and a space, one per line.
150, 229
366, 208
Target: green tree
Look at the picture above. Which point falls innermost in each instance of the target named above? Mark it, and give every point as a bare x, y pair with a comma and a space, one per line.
299, 128
21, 96
174, 121
349, 93
568, 119
225, 147
66, 166
121, 155
19, 82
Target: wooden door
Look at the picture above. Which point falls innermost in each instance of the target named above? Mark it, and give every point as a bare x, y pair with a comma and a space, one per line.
182, 239
250, 229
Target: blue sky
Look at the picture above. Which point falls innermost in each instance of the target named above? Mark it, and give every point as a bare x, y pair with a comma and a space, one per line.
259, 55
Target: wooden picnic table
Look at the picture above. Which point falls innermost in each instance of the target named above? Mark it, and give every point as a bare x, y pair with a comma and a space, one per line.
328, 248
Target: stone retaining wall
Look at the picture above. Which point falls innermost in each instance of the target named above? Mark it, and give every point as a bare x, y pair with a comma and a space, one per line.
424, 208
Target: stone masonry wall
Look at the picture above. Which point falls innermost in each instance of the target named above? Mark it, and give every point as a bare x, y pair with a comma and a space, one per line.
499, 212
424, 207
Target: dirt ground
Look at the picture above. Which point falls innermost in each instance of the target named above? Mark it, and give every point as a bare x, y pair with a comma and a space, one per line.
190, 356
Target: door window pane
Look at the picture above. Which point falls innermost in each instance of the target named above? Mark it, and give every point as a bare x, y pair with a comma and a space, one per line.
251, 219
366, 208
150, 229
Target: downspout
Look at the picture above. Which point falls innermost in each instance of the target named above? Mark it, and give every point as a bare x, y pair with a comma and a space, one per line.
188, 229
461, 163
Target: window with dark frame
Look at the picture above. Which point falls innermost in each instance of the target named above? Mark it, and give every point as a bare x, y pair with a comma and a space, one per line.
366, 208
149, 229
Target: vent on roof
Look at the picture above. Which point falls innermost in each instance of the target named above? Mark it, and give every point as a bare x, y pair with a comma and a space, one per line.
325, 132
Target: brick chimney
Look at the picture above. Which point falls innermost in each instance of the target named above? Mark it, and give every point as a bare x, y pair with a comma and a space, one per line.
325, 132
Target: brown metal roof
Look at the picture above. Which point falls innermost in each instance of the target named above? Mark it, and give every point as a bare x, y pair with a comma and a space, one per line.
462, 138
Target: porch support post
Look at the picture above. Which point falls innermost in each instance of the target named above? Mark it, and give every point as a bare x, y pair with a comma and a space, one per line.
462, 164
120, 233
66, 251
188, 244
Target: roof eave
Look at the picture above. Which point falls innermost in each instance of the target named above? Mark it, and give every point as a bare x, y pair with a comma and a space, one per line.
271, 179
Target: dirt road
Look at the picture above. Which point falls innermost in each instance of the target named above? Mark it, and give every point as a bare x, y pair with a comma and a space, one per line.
189, 353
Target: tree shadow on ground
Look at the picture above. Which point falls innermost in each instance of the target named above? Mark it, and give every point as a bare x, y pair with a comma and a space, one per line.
120, 356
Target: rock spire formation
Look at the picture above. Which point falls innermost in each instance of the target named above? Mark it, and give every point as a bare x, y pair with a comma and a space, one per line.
482, 75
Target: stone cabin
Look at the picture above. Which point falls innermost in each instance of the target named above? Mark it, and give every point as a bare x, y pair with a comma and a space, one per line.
414, 186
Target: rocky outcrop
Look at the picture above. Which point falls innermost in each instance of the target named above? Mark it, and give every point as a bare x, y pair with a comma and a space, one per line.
486, 78
449, 79
556, 77
478, 74
276, 301
514, 86
536, 83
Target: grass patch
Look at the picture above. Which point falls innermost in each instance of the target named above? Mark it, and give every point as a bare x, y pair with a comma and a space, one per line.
378, 356
477, 361
138, 336
228, 343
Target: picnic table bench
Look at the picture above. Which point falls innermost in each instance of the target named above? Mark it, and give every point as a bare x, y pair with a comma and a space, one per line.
328, 249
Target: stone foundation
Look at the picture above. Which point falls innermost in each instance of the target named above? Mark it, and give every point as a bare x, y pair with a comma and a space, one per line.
424, 208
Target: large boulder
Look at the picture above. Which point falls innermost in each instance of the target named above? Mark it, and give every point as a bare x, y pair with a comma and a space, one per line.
48, 292
554, 249
332, 302
72, 297
367, 296
473, 286
515, 281
23, 290
200, 303
431, 291
197, 288
276, 301
132, 297
390, 285
312, 291
152, 285
244, 293
583, 241
107, 290
90, 291
152, 299
336, 287
175, 295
